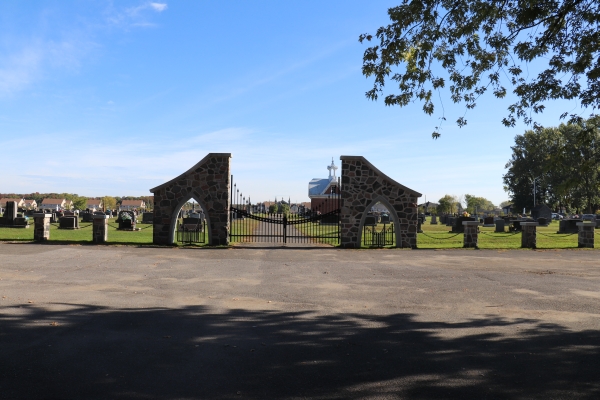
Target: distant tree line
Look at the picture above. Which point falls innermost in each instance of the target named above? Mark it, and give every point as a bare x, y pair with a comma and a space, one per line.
452, 204
564, 163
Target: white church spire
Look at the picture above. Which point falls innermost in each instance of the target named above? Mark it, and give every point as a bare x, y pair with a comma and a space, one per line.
333, 168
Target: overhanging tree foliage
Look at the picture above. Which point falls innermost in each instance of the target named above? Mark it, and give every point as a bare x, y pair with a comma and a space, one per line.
564, 162
472, 46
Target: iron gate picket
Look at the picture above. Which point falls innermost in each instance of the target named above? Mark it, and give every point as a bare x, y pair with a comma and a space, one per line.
253, 223
190, 233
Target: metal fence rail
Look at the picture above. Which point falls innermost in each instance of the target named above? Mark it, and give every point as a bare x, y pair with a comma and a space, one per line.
256, 223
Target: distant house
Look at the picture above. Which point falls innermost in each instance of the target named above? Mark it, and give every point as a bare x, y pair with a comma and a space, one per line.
320, 191
130, 205
93, 205
18, 201
507, 209
300, 207
56, 204
30, 204
429, 206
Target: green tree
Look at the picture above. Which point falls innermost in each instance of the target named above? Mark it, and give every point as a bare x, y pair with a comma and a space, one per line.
284, 208
475, 203
110, 203
473, 46
79, 203
564, 162
273, 208
447, 204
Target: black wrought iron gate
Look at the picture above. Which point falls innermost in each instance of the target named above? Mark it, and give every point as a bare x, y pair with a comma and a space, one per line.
281, 222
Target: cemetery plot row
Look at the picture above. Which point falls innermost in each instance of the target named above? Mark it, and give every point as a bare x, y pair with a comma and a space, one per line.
83, 235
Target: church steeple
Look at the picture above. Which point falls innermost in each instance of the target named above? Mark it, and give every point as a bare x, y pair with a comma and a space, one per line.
333, 168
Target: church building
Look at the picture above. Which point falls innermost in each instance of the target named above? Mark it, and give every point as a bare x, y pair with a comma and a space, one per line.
321, 191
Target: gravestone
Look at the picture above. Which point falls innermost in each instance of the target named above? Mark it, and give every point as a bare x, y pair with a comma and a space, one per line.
488, 221
568, 226
458, 223
69, 222
370, 220
542, 221
87, 217
541, 211
385, 219
10, 213
126, 220
434, 220
500, 225
147, 218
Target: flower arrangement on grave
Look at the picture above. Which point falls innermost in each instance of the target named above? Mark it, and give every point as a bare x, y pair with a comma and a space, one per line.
465, 214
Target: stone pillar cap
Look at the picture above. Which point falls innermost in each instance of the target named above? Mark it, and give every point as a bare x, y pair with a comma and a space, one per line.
529, 223
470, 223
586, 223
100, 216
41, 215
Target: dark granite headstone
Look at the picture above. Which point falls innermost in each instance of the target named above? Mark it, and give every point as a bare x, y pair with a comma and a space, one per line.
370, 220
147, 218
69, 222
541, 211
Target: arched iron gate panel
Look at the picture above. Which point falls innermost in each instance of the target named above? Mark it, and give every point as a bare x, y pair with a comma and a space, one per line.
253, 223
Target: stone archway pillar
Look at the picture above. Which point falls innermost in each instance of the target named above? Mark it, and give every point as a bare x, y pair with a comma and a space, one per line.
208, 182
363, 184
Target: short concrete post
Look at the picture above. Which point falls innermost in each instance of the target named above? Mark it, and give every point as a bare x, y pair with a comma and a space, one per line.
529, 235
433, 220
471, 234
100, 229
499, 225
41, 227
585, 237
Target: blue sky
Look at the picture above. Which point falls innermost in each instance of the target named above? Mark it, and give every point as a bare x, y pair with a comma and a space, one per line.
114, 98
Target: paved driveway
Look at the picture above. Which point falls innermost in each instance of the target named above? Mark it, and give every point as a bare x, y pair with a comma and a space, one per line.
96, 322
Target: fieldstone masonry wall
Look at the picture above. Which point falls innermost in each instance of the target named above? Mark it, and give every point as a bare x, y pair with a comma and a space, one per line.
41, 227
585, 237
362, 186
529, 235
208, 182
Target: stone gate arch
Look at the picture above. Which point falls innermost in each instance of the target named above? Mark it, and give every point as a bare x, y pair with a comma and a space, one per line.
208, 182
363, 185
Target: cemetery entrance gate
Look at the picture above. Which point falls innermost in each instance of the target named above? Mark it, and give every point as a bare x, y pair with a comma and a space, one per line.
282, 222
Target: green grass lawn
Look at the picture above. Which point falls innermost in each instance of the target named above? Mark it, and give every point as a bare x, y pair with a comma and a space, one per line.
83, 235
433, 236
438, 237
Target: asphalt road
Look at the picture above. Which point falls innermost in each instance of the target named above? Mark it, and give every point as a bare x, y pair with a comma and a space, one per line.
100, 322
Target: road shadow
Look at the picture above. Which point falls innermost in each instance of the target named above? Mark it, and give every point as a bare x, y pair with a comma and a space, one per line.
84, 351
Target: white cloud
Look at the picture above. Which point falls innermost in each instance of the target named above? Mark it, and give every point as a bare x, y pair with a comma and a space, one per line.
18, 70
159, 7
21, 68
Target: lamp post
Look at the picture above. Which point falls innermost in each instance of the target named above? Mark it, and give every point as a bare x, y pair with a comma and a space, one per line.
534, 190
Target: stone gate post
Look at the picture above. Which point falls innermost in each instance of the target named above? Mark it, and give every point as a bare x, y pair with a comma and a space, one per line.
100, 229
529, 235
41, 227
585, 236
471, 237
